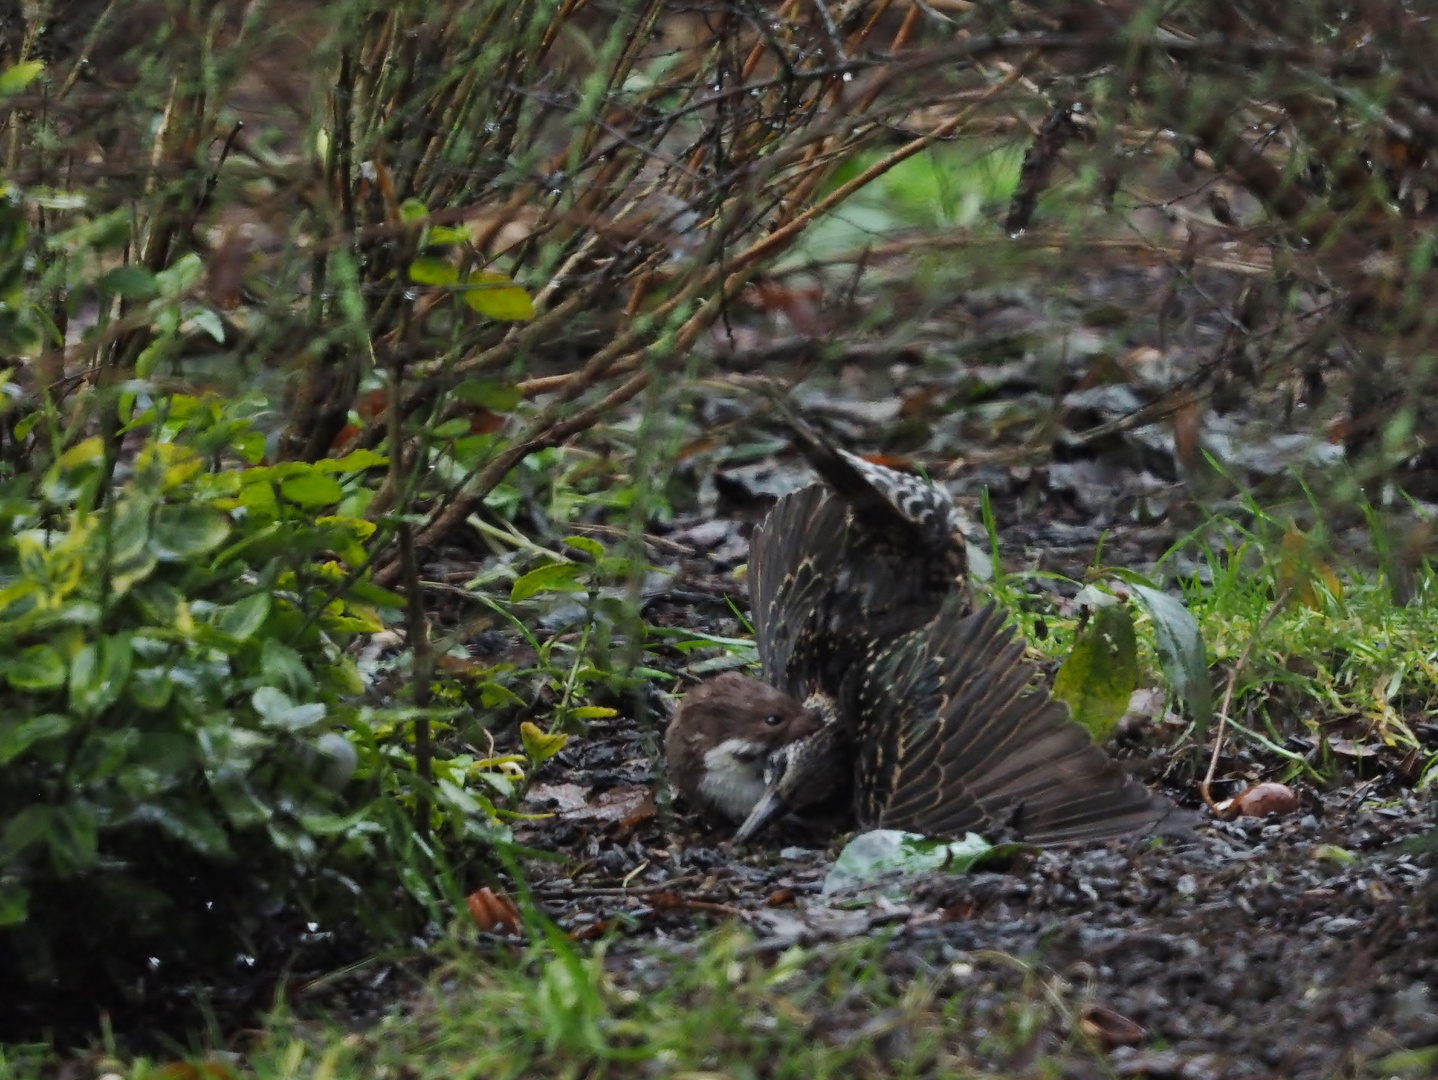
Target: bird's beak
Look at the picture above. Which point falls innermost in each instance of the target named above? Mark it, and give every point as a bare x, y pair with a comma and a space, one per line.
770, 805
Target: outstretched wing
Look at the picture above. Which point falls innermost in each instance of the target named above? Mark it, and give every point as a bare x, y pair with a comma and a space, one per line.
837, 569
960, 741
791, 578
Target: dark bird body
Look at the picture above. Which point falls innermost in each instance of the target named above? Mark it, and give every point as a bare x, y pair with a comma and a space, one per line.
886, 690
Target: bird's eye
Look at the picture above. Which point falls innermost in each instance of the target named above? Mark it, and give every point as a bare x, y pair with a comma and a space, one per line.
773, 720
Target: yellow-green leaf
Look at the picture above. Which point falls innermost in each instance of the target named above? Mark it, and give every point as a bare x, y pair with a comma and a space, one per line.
540, 746
14, 79
496, 296
1101, 672
433, 272
555, 577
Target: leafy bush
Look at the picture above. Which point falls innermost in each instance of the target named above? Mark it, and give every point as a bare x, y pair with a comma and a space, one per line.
176, 707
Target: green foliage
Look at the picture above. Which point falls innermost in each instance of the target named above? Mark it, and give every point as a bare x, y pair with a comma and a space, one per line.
175, 693
1101, 671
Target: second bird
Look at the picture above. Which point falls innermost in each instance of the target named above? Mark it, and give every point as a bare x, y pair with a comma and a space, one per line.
884, 690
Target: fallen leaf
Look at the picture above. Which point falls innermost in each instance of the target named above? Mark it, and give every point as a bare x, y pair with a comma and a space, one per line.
1269, 797
1110, 1029
493, 913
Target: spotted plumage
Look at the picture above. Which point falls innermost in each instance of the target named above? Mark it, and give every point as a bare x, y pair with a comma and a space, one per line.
926, 719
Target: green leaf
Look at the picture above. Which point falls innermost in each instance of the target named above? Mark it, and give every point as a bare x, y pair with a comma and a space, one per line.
429, 271
187, 822
555, 577
129, 283
14, 899
182, 532
17, 78
151, 688
412, 210
277, 710
243, 618
37, 669
496, 396
183, 276
18, 736
356, 461
1181, 652
496, 296
311, 489
1101, 673
98, 674
888, 853
540, 746
590, 547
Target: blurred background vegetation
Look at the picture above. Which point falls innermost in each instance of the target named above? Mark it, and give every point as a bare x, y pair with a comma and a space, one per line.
351, 350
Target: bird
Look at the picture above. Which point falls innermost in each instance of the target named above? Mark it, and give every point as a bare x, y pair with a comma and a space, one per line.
887, 691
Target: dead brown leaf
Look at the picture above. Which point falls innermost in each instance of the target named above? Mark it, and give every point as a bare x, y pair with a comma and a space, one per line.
1269, 797
494, 913
1108, 1028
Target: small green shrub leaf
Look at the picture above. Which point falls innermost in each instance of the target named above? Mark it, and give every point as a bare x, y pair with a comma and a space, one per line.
129, 283
496, 396
1101, 673
593, 548
1181, 652
99, 671
277, 710
555, 577
14, 904
16, 738
243, 618
151, 688
17, 78
36, 669
496, 296
182, 532
539, 745
183, 276
311, 489
433, 272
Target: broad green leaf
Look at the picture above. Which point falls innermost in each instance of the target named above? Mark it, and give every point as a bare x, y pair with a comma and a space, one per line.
36, 669
1181, 652
130, 283
590, 547
357, 461
243, 618
496, 296
18, 736
89, 451
99, 672
14, 899
1101, 673
182, 532
884, 854
496, 396
311, 489
185, 274
555, 577
151, 688
539, 745
186, 821
17, 78
412, 210
277, 710
429, 271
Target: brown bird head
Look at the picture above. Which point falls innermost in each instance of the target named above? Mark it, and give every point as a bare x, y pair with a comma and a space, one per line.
721, 739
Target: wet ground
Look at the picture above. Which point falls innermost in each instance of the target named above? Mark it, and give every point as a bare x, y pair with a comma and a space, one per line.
1298, 946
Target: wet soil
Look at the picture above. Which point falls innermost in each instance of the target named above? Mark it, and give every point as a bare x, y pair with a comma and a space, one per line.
1301, 946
